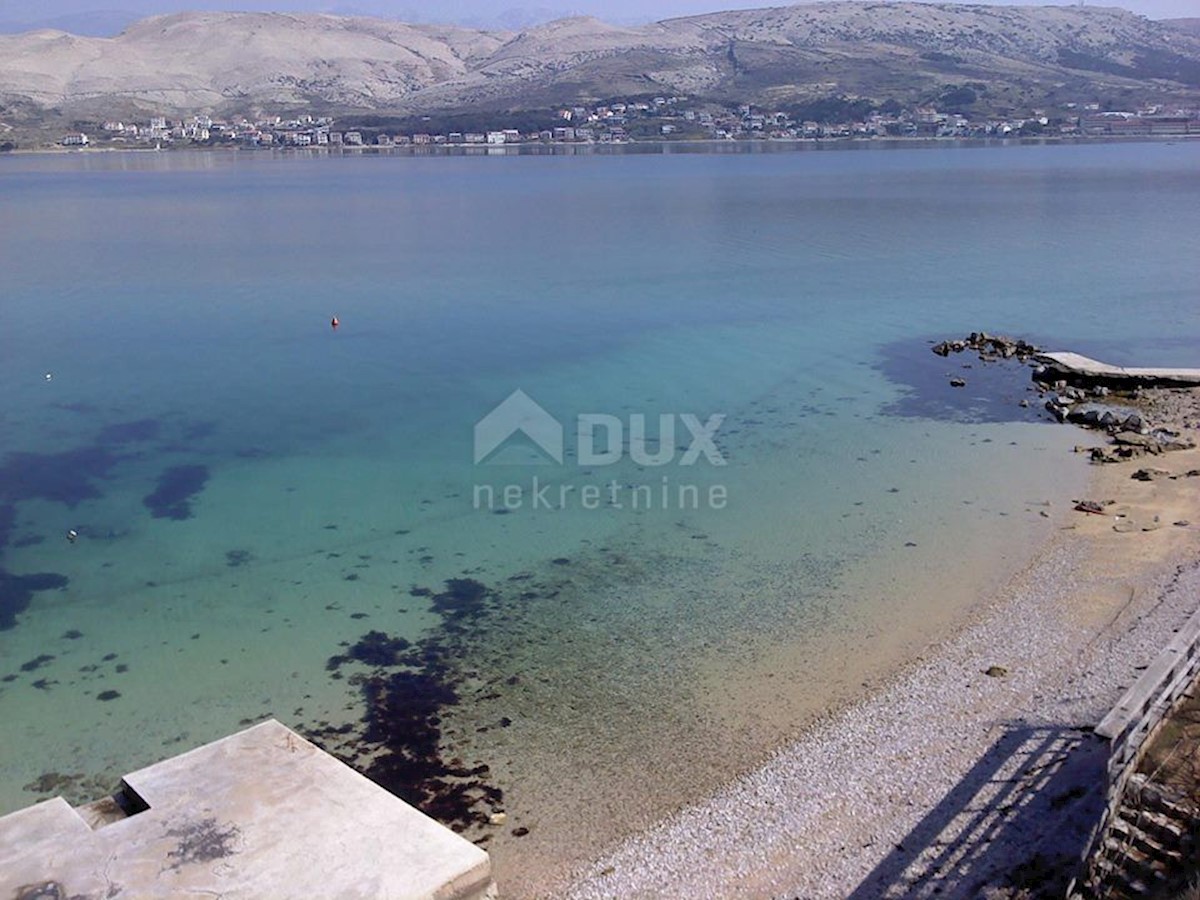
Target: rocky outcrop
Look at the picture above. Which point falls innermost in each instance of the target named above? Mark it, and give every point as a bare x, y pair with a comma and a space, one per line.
988, 346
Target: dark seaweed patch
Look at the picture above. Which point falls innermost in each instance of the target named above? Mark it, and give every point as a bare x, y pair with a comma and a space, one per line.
65, 478
374, 648
16, 593
8, 522
135, 432
405, 697
108, 695
464, 598
197, 430
235, 558
403, 719
176, 488
36, 663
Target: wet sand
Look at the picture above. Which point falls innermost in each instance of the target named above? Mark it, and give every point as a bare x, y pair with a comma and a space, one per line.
885, 796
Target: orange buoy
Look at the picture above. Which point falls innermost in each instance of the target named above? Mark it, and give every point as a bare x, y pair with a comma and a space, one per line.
334, 323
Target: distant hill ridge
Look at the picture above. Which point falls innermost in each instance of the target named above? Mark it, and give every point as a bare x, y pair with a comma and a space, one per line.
221, 62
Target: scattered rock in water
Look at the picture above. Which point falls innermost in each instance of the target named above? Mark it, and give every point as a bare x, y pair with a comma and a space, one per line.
520, 831
108, 695
1093, 507
996, 672
958, 382
72, 634
988, 346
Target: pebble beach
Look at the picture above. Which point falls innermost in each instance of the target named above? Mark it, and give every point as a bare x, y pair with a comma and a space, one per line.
973, 771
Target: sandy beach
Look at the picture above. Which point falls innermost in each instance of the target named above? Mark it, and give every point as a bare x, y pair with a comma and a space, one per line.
953, 780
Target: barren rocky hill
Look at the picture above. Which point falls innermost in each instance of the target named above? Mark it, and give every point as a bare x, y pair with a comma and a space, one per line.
1189, 25
243, 62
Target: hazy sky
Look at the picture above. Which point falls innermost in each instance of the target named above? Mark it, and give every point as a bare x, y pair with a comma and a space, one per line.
473, 11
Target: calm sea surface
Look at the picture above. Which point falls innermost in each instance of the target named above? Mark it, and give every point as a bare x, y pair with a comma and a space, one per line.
274, 517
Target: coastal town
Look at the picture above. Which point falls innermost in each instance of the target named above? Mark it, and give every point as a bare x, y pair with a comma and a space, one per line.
656, 119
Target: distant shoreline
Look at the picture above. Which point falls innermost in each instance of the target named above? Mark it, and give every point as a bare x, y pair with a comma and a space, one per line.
662, 147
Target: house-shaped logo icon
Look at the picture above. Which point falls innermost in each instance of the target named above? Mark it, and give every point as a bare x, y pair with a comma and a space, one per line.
519, 414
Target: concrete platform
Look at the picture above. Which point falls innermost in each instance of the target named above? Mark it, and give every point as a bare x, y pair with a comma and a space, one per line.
262, 813
1076, 368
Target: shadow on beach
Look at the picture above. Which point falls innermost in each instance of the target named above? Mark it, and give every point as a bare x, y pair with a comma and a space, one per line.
1015, 825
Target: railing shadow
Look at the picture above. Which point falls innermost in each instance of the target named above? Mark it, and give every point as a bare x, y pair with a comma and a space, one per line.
1020, 817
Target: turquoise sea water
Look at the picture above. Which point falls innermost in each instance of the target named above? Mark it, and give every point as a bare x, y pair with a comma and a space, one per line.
254, 492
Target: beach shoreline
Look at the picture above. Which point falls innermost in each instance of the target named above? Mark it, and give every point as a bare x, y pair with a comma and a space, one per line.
851, 803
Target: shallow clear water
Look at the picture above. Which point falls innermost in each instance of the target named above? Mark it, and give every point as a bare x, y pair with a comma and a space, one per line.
316, 484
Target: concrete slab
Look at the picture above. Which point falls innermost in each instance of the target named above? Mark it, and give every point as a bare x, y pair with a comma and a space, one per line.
1078, 366
262, 813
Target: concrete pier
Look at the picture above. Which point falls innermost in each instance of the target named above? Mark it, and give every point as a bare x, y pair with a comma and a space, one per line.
262, 813
1076, 369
